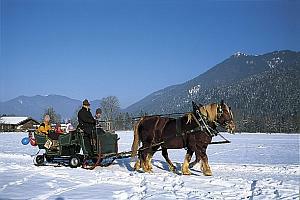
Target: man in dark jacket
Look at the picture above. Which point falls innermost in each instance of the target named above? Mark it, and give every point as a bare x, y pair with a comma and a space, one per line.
87, 124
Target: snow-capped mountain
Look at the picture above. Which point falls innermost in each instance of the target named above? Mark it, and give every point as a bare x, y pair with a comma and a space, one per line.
263, 91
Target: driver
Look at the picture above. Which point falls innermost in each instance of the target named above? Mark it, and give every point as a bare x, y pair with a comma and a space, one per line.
87, 124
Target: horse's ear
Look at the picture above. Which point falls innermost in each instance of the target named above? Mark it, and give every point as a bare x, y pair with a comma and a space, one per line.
194, 104
200, 105
229, 108
222, 102
195, 107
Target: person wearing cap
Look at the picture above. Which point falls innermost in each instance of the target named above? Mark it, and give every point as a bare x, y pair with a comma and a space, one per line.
98, 114
87, 124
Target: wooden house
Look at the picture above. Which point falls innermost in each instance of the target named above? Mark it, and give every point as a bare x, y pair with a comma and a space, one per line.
9, 124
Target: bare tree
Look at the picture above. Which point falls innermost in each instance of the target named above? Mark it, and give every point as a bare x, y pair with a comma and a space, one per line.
54, 117
74, 119
110, 107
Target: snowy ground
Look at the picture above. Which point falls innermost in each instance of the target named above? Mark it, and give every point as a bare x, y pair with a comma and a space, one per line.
253, 166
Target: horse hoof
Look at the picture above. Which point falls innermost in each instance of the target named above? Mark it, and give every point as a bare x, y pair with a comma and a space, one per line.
207, 173
172, 168
186, 173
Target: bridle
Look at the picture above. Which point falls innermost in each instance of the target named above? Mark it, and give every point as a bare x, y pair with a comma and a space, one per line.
220, 113
205, 121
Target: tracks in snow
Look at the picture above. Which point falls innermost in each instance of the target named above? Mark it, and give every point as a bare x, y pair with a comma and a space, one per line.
229, 182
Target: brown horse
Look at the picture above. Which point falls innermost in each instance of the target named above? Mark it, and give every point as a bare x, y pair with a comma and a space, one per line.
188, 131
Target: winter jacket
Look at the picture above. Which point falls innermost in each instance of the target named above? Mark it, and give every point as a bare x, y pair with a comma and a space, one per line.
69, 128
44, 128
86, 120
58, 130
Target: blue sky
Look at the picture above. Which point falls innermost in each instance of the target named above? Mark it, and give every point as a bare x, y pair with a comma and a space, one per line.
131, 48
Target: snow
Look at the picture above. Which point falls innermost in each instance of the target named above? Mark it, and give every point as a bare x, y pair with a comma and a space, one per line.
252, 166
274, 62
251, 62
12, 120
238, 54
194, 90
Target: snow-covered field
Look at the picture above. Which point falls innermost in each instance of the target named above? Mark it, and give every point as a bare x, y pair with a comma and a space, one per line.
253, 166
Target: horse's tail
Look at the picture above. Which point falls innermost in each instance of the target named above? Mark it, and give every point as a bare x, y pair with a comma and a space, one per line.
136, 139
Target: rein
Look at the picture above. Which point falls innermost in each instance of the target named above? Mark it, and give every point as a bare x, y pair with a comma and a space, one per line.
209, 129
199, 128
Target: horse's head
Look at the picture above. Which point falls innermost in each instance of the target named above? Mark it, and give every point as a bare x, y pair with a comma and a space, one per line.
220, 113
225, 117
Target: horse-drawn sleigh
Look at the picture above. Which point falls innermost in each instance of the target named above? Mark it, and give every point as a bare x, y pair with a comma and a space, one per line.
68, 151
193, 131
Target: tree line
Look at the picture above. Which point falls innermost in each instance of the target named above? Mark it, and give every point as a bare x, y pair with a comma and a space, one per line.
111, 114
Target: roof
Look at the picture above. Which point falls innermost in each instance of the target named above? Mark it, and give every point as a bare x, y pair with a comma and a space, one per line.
13, 120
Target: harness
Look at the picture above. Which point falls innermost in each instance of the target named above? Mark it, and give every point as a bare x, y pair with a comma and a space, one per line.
202, 123
219, 111
199, 128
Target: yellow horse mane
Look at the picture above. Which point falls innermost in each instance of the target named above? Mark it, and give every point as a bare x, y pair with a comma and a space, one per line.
209, 111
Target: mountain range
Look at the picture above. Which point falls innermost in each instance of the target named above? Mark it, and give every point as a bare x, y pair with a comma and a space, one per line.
35, 106
262, 90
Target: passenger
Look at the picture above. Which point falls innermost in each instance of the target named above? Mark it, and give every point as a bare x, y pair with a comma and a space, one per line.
98, 114
45, 127
87, 124
54, 135
69, 127
58, 129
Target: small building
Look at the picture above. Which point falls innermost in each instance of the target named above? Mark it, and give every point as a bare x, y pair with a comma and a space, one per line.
8, 124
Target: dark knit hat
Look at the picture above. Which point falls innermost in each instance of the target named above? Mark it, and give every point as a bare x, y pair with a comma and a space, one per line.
98, 111
86, 102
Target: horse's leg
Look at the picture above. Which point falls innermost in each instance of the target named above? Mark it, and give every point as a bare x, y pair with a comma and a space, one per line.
166, 156
137, 164
197, 159
144, 165
146, 157
205, 168
141, 159
150, 156
185, 166
147, 164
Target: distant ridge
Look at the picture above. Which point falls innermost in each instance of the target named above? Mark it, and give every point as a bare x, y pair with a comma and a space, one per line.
263, 90
35, 106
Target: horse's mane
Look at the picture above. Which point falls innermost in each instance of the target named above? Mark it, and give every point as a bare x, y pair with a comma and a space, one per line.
209, 111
